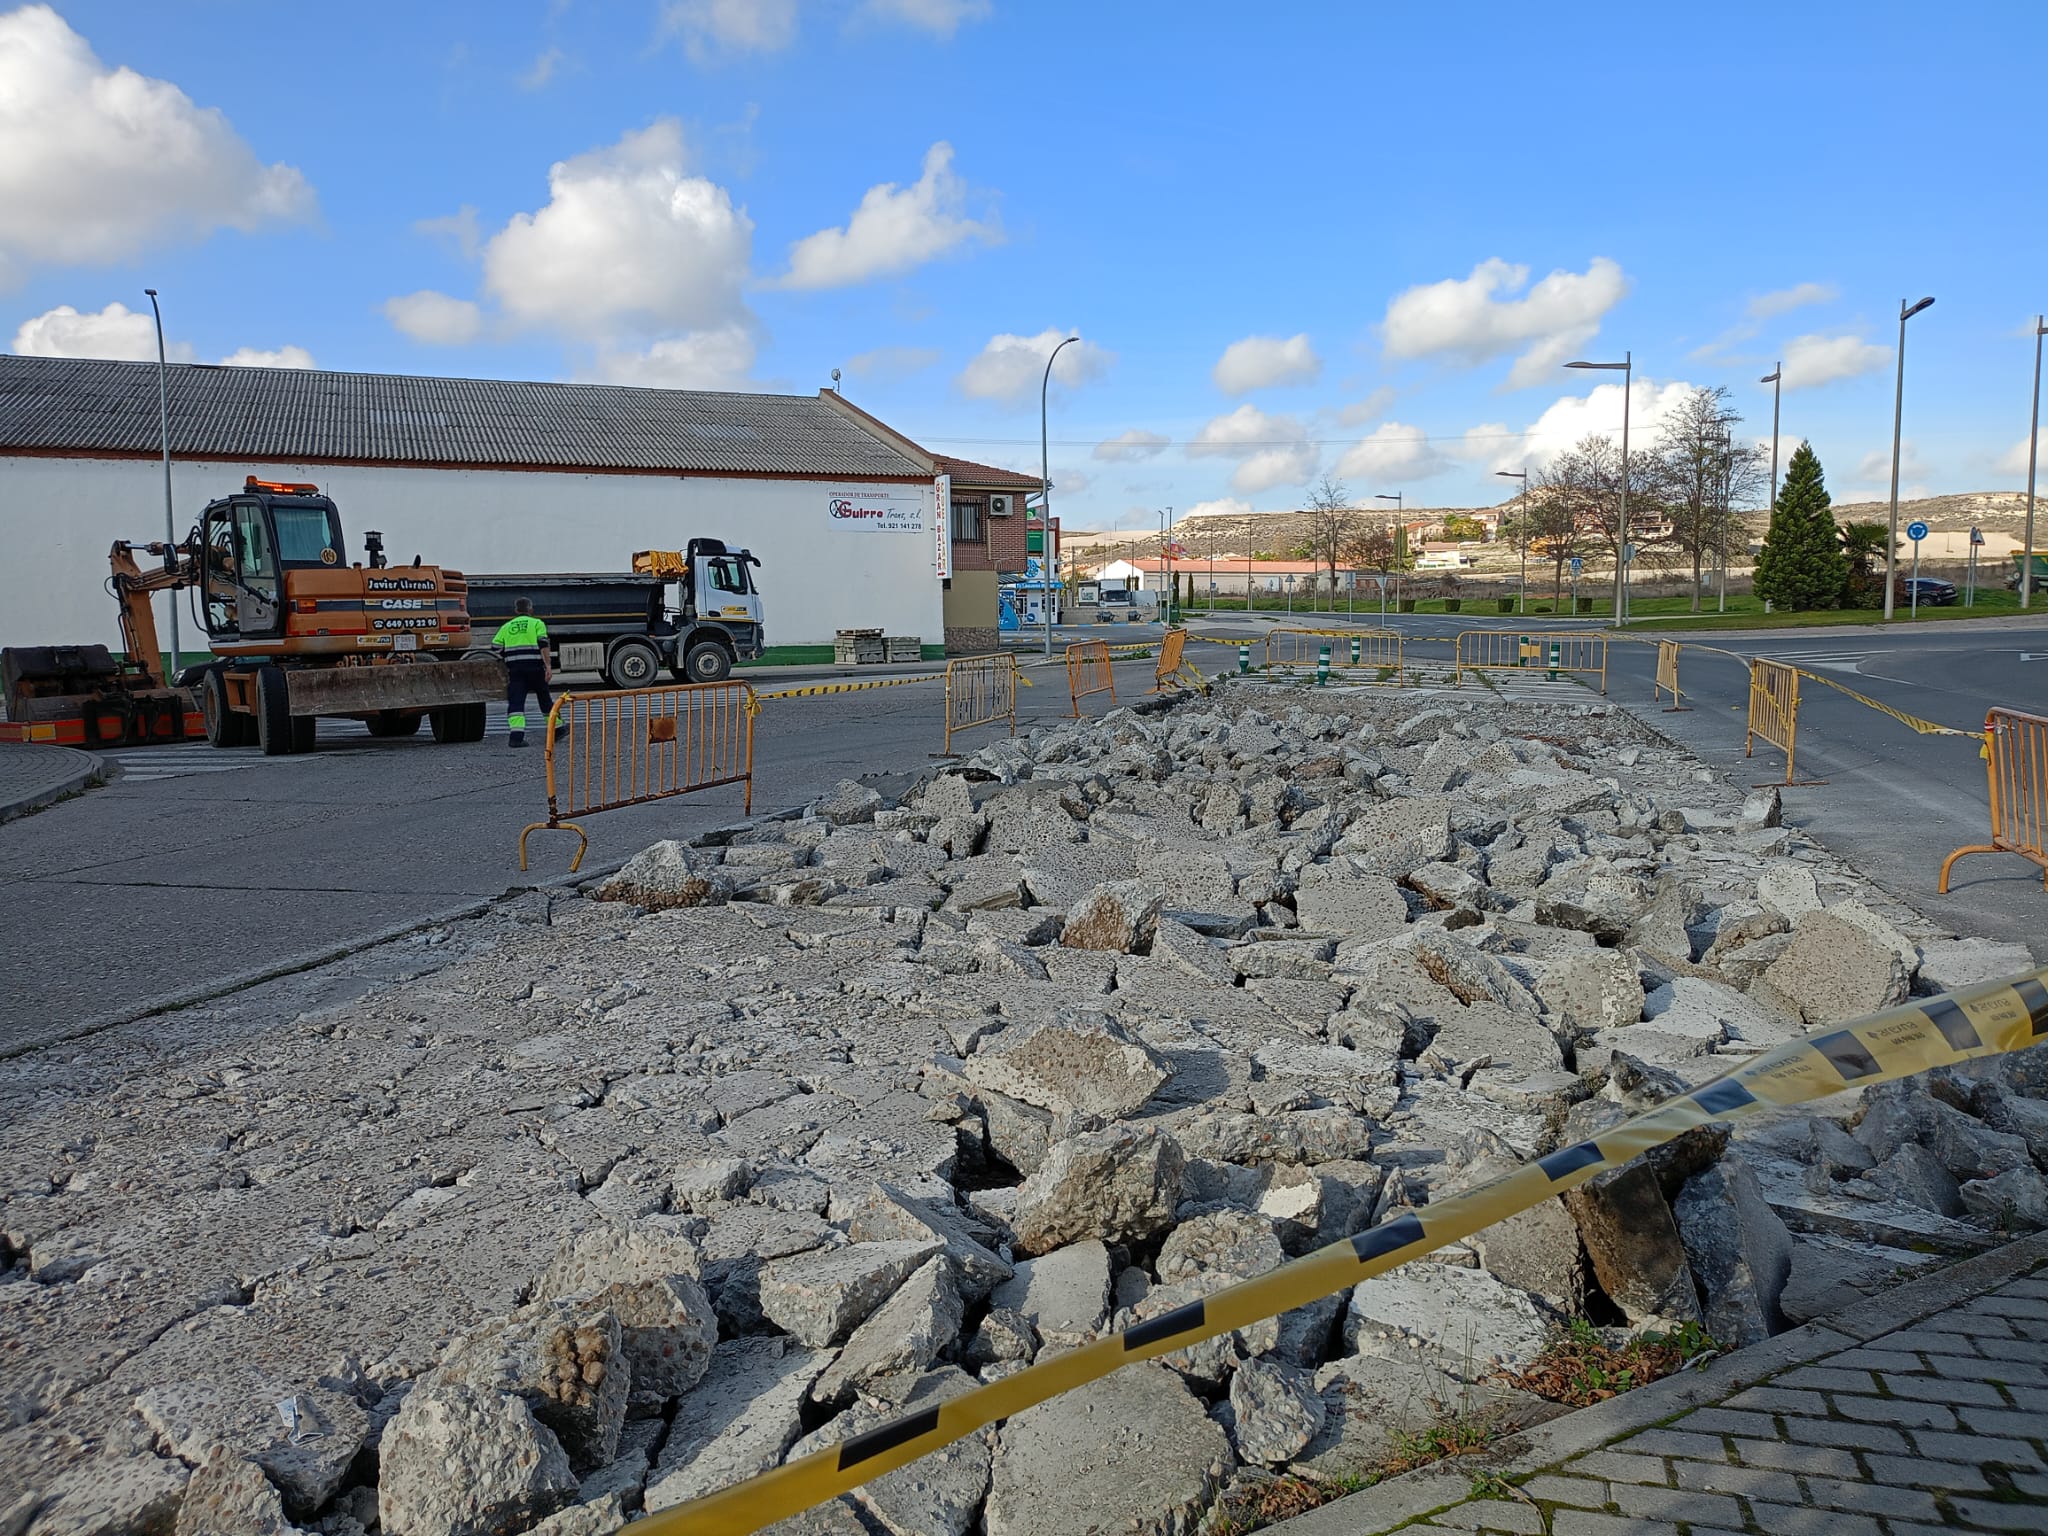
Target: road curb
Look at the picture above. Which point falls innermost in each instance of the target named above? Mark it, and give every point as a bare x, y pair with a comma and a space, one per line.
1446, 1484
79, 778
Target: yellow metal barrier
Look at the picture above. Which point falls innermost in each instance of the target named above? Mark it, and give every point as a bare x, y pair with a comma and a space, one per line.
1377, 650
631, 745
1174, 670
2016, 763
1774, 710
980, 690
1667, 676
1088, 672
1551, 652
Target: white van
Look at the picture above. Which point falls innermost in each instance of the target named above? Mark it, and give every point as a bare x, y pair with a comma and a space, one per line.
1447, 560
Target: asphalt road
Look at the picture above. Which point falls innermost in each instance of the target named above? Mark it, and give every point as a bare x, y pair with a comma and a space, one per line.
1894, 802
198, 868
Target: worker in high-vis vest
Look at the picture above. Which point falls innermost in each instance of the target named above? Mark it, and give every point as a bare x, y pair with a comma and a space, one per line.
523, 641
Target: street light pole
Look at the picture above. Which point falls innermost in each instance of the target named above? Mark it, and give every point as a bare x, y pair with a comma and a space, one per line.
1045, 498
1891, 549
1171, 592
1400, 525
2033, 436
1522, 534
1626, 368
1775, 378
163, 427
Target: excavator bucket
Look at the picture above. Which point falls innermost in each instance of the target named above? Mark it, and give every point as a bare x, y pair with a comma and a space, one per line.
81, 696
419, 685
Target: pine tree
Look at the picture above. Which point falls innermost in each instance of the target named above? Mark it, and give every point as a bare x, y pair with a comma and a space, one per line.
1801, 566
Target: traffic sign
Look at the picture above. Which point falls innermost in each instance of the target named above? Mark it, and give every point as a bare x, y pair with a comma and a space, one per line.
1577, 565
1976, 535
1916, 531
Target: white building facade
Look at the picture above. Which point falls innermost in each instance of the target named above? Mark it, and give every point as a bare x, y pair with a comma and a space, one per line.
841, 546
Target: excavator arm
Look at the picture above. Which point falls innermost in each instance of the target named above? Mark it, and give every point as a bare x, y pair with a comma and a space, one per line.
133, 587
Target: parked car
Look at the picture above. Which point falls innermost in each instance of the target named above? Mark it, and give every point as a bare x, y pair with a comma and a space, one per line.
1931, 591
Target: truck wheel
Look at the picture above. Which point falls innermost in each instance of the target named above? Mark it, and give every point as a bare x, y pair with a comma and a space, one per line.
393, 722
224, 728
708, 662
458, 723
633, 664
276, 731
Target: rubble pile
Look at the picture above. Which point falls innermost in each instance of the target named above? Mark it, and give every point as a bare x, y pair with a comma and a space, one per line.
825, 1118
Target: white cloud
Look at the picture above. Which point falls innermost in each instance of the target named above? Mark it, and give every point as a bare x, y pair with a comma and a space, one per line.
940, 17
710, 28
116, 331
892, 362
1010, 367
1875, 469
97, 164
1393, 452
129, 335
434, 318
894, 229
1271, 450
1069, 482
721, 358
1260, 362
542, 69
277, 357
1474, 318
1371, 408
457, 230
2012, 462
627, 245
1576, 416
1783, 300
1814, 360
1134, 444
1226, 506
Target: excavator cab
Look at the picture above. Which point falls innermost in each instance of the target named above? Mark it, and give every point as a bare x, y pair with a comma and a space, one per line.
248, 543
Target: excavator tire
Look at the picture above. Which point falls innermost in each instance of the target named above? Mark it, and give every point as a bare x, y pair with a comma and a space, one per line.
276, 731
392, 722
224, 728
458, 723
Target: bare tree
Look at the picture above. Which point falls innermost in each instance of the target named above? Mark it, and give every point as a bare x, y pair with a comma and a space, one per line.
1331, 519
1560, 505
1593, 467
1704, 473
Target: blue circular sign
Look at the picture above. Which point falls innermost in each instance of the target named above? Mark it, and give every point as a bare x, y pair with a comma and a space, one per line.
1916, 531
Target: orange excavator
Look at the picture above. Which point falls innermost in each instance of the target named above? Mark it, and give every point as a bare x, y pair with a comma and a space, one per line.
296, 636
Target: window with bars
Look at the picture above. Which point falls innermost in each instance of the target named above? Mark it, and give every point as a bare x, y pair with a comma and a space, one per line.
968, 524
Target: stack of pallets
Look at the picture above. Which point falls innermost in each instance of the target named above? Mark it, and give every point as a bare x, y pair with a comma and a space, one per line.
858, 647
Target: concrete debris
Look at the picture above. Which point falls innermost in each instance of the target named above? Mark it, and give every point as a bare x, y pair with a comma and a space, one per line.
601, 1205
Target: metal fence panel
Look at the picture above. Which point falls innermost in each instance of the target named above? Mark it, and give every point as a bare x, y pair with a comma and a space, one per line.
628, 746
1667, 676
2016, 765
1088, 671
1376, 650
980, 690
1773, 709
1550, 652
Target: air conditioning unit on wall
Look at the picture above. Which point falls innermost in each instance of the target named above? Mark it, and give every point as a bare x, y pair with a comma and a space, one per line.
999, 506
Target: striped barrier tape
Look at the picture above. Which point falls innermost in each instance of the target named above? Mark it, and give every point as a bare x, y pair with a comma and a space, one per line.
1980, 1021
814, 689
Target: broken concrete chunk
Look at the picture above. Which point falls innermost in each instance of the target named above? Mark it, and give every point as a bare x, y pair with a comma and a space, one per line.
668, 874
1120, 1184
191, 1419
1306, 1136
1834, 971
565, 1360
1063, 1294
907, 1333
1275, 1410
1740, 1252
742, 1416
1950, 965
1595, 989
1119, 915
1085, 1061
1229, 1242
456, 1461
822, 1296
1469, 1323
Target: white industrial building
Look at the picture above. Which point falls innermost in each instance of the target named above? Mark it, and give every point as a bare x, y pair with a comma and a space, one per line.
475, 474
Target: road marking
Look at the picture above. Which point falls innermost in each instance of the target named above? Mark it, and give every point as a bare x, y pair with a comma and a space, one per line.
178, 760
1833, 661
2034, 655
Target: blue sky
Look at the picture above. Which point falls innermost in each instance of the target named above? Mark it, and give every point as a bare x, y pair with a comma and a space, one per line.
1295, 239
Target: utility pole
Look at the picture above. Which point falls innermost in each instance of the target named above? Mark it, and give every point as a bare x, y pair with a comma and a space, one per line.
1045, 499
2033, 436
1522, 534
1626, 368
1891, 548
163, 427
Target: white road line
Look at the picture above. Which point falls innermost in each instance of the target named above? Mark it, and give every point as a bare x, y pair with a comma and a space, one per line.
178, 760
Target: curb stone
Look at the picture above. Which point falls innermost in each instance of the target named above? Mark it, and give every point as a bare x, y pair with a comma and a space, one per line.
1446, 1484
76, 778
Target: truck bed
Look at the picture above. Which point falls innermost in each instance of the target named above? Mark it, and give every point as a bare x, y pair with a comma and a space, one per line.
609, 600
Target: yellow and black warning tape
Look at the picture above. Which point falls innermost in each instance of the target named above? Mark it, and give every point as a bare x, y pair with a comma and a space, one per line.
812, 690
1986, 1020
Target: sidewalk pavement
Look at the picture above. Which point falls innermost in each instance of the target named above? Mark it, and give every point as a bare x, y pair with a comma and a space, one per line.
1922, 1409
32, 776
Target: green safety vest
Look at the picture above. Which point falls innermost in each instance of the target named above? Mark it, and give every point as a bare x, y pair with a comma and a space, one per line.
520, 637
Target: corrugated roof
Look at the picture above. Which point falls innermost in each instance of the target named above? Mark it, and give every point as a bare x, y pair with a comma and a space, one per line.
967, 472
300, 415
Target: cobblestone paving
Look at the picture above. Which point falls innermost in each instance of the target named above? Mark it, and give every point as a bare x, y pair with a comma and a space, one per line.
27, 771
1942, 1426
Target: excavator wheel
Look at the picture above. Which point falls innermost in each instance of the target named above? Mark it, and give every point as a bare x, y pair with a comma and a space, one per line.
224, 728
458, 723
276, 731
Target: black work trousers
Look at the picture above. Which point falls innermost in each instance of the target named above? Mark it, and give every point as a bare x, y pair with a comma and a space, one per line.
522, 678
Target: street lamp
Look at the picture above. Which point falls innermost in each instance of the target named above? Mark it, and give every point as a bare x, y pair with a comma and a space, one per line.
1891, 549
1775, 378
1170, 592
1045, 498
1400, 538
2033, 433
1626, 368
1523, 538
163, 427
